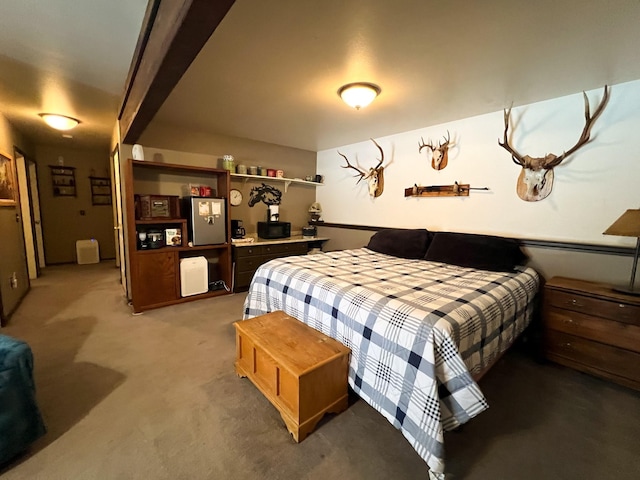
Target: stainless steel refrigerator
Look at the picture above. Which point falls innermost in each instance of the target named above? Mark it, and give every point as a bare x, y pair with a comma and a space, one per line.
206, 219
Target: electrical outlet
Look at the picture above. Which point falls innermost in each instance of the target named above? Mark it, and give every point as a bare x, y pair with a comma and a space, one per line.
13, 279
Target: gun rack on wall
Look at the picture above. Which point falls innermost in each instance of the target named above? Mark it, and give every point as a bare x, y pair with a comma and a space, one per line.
455, 190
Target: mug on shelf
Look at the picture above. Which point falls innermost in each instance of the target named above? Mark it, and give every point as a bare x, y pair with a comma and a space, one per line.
318, 178
280, 173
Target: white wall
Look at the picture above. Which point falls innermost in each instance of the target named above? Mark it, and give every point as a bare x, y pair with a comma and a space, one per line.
591, 189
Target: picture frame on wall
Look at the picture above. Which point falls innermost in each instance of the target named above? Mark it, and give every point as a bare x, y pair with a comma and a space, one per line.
7, 182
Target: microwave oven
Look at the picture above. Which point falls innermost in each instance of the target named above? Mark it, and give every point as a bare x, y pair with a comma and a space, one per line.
271, 230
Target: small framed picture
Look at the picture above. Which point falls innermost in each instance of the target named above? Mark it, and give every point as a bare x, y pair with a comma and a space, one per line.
7, 182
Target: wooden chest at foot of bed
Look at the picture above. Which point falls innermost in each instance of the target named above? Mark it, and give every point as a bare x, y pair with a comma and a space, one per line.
300, 370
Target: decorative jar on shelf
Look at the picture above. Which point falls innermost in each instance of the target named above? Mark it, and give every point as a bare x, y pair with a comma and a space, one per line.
241, 169
228, 163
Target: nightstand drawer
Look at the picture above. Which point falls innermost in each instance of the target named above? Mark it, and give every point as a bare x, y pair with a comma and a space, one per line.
594, 306
593, 355
597, 329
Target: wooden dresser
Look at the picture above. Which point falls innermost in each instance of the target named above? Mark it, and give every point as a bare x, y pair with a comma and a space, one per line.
590, 327
248, 257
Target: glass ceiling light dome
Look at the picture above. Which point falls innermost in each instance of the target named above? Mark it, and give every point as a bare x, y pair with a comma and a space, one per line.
59, 122
358, 95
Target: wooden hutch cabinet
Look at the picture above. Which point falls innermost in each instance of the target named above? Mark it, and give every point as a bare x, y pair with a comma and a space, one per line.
155, 272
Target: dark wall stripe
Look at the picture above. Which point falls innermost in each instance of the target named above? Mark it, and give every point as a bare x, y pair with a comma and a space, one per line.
526, 242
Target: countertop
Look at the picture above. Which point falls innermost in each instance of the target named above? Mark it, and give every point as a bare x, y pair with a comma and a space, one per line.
279, 241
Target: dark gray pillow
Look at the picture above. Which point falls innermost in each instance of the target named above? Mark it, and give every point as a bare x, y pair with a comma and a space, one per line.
484, 252
400, 242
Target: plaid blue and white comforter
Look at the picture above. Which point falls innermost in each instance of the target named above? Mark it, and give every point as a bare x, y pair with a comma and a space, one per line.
417, 330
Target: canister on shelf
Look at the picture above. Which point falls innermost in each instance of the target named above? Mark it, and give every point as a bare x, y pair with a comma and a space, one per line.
271, 172
228, 163
241, 169
253, 170
280, 173
262, 171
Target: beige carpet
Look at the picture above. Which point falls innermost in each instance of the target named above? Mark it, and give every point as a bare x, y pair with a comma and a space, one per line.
155, 396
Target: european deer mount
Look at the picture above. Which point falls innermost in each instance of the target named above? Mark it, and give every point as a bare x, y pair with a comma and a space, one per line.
439, 154
375, 175
536, 177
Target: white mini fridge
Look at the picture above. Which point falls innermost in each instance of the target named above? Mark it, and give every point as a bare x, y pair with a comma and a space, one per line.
207, 220
194, 276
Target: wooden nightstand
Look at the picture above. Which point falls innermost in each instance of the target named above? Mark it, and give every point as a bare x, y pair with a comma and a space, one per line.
589, 327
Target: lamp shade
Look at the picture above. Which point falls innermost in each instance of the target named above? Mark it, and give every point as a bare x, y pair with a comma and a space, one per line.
359, 95
59, 122
628, 225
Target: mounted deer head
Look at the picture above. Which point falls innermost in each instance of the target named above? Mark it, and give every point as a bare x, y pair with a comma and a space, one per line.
536, 177
439, 154
375, 175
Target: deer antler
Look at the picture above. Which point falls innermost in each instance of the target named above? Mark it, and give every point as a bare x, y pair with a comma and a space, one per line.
446, 143
427, 145
440, 146
586, 131
515, 156
361, 174
381, 153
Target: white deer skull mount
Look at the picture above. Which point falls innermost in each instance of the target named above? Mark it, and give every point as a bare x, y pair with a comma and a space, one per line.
439, 154
374, 176
536, 177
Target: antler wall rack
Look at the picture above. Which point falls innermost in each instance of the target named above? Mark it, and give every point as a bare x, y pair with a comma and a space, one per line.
455, 190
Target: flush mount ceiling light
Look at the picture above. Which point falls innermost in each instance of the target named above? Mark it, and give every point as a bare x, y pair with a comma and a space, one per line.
59, 122
359, 95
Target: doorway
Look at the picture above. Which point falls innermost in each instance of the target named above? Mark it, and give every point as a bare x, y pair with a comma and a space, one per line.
30, 211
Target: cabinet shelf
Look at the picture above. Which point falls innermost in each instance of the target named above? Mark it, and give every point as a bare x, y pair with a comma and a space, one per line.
286, 181
221, 246
159, 221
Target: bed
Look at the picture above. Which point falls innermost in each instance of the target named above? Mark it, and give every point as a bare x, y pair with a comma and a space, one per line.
421, 332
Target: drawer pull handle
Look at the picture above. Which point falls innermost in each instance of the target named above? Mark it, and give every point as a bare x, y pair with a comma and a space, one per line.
568, 320
567, 345
575, 303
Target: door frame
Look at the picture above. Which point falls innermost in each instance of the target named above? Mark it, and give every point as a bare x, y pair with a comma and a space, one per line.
118, 218
26, 207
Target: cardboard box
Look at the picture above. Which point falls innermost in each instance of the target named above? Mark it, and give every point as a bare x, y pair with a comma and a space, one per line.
173, 237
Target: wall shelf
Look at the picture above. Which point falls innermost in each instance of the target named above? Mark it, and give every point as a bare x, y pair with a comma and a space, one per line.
286, 181
100, 190
63, 181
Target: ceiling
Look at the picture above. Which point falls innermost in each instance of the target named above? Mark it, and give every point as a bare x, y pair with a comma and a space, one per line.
271, 70
69, 57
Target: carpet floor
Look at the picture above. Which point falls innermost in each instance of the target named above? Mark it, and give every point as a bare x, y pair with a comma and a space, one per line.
155, 396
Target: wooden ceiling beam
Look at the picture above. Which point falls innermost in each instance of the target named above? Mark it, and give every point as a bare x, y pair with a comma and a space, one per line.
172, 34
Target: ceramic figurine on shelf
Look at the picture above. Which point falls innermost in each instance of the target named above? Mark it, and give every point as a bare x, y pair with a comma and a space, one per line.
315, 210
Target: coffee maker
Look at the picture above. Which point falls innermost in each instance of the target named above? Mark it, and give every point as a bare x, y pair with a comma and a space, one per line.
237, 230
